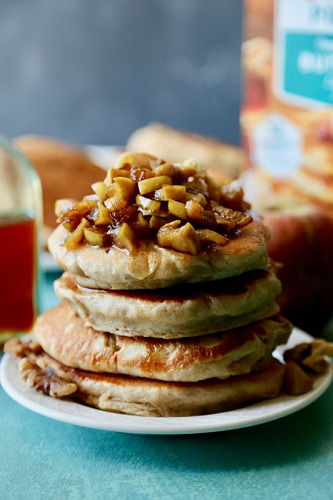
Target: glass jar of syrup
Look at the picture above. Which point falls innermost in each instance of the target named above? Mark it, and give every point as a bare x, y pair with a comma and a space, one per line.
20, 220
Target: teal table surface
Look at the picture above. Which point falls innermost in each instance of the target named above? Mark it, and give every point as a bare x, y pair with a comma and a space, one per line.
290, 458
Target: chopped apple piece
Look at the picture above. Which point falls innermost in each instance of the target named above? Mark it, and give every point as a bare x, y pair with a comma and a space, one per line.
99, 189
183, 239
126, 187
115, 203
142, 221
111, 190
156, 222
147, 203
194, 210
94, 236
177, 208
209, 236
116, 172
141, 228
153, 183
173, 224
199, 198
171, 170
76, 236
61, 206
171, 192
102, 216
231, 219
125, 237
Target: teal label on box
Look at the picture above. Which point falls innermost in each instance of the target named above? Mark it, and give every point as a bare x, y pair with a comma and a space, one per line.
308, 70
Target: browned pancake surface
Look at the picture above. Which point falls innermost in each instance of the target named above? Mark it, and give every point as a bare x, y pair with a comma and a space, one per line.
138, 396
63, 335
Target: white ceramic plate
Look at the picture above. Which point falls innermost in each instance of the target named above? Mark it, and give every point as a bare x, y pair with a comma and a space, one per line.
78, 414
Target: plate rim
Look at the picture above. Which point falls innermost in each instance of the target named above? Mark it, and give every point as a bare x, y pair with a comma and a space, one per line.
77, 414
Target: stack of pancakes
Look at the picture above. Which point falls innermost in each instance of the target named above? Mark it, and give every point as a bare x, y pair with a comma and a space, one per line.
147, 329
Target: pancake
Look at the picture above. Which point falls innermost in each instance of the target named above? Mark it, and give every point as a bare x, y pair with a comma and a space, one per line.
63, 336
182, 311
152, 224
157, 267
152, 398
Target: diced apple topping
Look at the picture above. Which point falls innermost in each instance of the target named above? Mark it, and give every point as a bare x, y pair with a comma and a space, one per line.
149, 185
95, 236
177, 208
147, 203
156, 222
61, 206
125, 237
116, 172
115, 203
207, 236
194, 210
144, 198
99, 189
102, 216
173, 224
77, 235
169, 192
183, 239
126, 187
199, 198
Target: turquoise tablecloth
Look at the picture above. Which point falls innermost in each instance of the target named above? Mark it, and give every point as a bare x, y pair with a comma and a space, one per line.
291, 458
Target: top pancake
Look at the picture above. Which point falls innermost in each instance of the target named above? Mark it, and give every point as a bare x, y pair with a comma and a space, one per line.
151, 224
158, 267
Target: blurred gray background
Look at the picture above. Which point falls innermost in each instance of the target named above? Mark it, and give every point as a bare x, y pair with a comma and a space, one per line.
92, 72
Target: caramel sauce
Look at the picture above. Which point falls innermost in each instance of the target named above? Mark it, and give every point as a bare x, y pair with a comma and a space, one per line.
17, 272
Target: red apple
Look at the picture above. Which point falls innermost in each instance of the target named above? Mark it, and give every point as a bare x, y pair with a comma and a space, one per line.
302, 241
